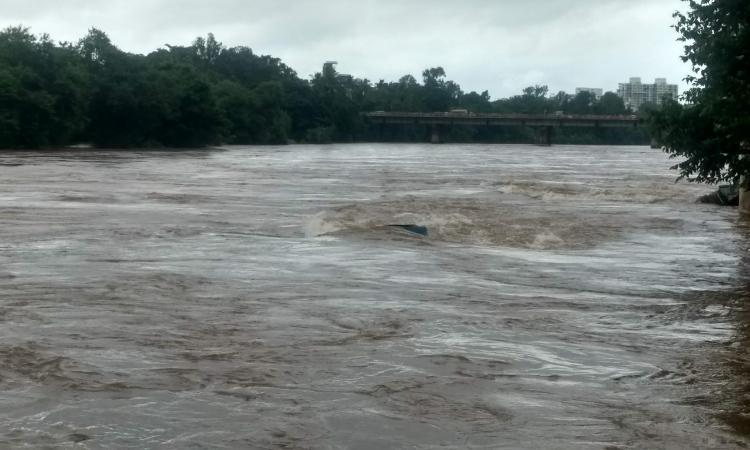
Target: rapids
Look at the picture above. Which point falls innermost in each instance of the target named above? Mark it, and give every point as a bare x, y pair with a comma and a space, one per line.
254, 297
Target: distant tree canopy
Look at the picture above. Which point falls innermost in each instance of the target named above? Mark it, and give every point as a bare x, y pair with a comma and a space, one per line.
712, 132
54, 94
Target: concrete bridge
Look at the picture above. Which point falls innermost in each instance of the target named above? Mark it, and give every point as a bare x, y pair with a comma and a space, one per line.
545, 123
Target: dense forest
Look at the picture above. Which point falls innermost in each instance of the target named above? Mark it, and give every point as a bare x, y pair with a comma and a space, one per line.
63, 93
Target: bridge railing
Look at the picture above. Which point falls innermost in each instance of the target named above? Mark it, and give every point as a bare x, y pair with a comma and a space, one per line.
502, 116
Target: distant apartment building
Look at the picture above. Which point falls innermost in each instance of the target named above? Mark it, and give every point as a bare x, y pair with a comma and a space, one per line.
635, 93
596, 91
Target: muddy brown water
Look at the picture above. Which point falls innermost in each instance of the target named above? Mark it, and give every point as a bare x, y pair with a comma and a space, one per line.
254, 297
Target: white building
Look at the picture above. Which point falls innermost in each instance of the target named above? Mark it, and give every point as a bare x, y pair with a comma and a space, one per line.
634, 93
596, 91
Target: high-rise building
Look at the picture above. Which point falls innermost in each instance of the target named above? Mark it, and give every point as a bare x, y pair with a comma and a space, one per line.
596, 91
662, 90
634, 93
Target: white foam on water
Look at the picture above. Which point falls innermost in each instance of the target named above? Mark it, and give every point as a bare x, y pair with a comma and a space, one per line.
320, 225
546, 239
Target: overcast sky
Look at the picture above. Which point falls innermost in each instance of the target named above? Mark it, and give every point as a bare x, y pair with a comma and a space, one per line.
498, 45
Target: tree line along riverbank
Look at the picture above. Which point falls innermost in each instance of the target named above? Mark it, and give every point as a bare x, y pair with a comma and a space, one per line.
63, 93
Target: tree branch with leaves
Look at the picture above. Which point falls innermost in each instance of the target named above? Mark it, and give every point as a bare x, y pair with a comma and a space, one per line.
711, 131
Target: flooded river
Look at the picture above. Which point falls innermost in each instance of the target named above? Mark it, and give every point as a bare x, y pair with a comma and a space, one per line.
255, 297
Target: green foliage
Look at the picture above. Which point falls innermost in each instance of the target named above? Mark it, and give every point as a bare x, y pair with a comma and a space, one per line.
690, 132
205, 93
582, 103
610, 104
43, 91
712, 132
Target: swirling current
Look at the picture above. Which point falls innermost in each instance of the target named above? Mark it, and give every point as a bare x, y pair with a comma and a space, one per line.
256, 297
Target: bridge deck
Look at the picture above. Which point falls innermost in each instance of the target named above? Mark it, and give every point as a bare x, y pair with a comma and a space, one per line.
489, 119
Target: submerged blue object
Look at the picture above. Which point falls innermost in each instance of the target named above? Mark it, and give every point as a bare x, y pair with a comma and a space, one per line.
416, 229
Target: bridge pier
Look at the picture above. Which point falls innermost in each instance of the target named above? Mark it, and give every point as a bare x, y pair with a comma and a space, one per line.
545, 136
435, 134
656, 140
744, 207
